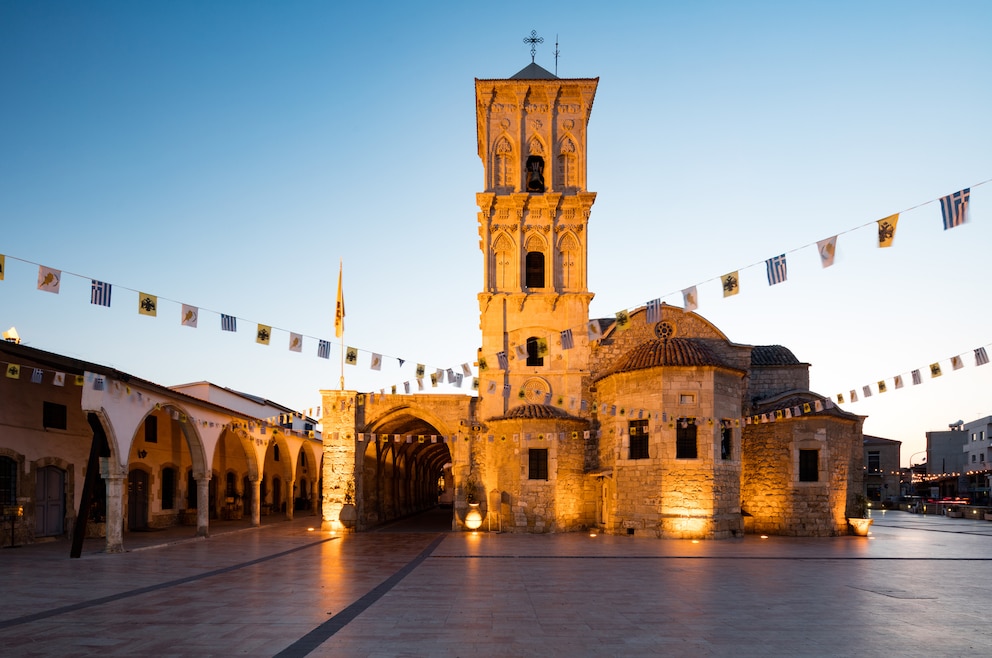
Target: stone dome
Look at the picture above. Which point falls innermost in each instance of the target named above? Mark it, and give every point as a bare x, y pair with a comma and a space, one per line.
672, 352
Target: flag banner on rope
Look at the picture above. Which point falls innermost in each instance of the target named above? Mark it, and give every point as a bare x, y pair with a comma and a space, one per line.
595, 331
954, 208
189, 316
99, 293
917, 377
263, 334
897, 381
229, 323
324, 349
567, 341
776, 268
49, 279
653, 313
957, 362
730, 283
295, 342
376, 362
935, 370
981, 356
351, 356
504, 363
887, 230
147, 304
690, 299
827, 249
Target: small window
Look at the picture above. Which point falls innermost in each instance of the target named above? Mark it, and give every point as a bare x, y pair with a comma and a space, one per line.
535, 269
8, 481
168, 487
685, 439
974, 458
230, 486
687, 398
638, 439
534, 357
151, 429
874, 461
275, 453
981, 458
190, 490
54, 416
537, 468
809, 465
727, 442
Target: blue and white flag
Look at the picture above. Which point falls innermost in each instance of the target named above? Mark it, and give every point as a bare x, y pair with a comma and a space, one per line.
99, 293
324, 349
653, 314
954, 208
503, 362
36, 375
228, 322
981, 356
776, 269
567, 341
917, 378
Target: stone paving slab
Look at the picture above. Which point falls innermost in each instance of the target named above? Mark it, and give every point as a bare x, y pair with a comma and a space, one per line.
919, 586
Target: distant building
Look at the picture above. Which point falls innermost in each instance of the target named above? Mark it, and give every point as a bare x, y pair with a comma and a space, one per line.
882, 470
946, 463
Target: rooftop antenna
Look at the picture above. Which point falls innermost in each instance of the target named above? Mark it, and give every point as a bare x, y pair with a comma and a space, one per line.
557, 52
533, 40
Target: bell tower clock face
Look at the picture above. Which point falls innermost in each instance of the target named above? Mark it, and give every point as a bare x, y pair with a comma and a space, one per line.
664, 330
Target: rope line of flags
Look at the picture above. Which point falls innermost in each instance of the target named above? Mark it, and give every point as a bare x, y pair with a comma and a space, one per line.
954, 212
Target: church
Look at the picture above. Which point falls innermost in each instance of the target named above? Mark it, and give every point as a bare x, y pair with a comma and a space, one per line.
652, 423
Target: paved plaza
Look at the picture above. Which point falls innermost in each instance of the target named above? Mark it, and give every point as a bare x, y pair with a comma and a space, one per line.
919, 586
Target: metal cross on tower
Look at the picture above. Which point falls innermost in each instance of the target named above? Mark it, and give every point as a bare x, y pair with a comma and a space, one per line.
533, 40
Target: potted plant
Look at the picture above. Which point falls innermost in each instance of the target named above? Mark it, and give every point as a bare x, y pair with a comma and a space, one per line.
473, 518
858, 519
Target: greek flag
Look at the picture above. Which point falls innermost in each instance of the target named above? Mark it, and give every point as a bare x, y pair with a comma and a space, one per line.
917, 378
776, 269
504, 363
323, 349
567, 341
653, 311
954, 207
981, 356
99, 293
228, 322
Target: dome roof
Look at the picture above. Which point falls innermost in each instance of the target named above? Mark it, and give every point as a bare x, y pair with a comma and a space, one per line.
773, 355
672, 352
532, 411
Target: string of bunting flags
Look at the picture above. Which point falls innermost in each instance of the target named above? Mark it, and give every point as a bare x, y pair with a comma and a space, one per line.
101, 292
954, 212
34, 375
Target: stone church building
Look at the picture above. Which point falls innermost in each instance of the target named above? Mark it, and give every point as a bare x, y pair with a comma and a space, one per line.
653, 423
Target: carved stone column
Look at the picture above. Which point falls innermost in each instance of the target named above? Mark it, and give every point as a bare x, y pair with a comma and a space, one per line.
256, 503
203, 504
114, 476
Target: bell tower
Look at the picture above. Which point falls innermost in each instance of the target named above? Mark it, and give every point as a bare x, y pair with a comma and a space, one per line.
533, 229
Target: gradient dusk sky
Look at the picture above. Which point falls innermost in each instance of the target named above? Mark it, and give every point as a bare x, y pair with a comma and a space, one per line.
228, 155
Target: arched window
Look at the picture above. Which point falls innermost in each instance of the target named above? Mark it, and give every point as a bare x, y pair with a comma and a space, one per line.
503, 255
275, 453
535, 269
568, 251
503, 164
567, 171
534, 355
168, 486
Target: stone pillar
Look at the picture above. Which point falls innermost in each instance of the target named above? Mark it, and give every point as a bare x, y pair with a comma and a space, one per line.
339, 423
203, 504
256, 504
290, 498
114, 475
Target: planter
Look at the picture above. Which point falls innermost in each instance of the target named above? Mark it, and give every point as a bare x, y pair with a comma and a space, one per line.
859, 527
473, 519
348, 515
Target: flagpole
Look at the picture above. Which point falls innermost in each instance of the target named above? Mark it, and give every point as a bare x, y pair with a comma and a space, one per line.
339, 318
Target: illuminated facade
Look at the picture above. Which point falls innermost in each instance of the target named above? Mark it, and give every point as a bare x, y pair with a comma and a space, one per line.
631, 428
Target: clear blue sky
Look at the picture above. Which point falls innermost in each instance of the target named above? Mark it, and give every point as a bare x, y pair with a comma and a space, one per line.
228, 154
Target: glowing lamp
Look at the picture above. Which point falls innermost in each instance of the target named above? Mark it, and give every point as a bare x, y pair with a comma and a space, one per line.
473, 520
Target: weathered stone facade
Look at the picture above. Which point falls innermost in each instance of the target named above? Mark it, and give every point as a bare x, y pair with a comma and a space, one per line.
654, 423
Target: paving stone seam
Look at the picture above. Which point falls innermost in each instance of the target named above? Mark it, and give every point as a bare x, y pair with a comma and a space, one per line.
322, 633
